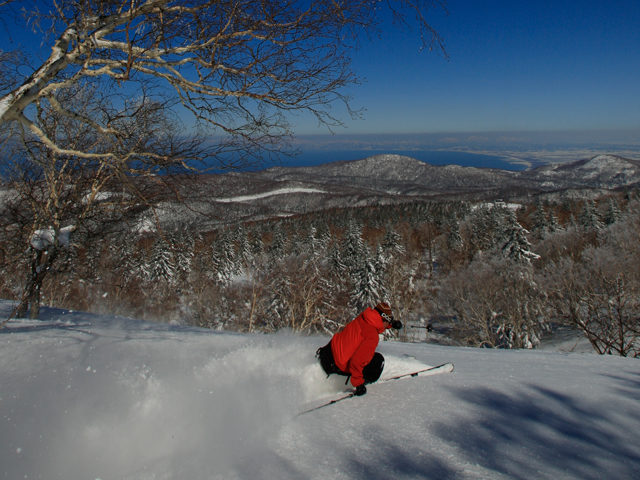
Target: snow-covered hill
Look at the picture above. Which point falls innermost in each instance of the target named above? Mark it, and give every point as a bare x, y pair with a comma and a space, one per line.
384, 179
97, 397
405, 175
601, 171
396, 174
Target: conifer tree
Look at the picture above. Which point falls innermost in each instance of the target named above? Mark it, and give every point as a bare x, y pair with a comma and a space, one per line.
554, 226
325, 241
295, 242
92, 261
366, 285
256, 243
162, 266
540, 222
313, 243
335, 258
514, 240
572, 222
613, 212
589, 218
278, 243
223, 258
380, 266
183, 243
483, 227
392, 242
244, 255
353, 249
454, 239
127, 265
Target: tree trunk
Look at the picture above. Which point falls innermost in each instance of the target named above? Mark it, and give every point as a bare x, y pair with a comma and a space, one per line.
34, 302
39, 270
22, 308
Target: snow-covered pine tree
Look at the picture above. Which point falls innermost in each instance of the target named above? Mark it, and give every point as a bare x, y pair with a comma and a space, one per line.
454, 238
540, 223
93, 254
589, 218
325, 240
392, 242
572, 223
223, 258
380, 265
295, 241
553, 224
334, 256
483, 221
613, 212
244, 254
312, 243
183, 243
127, 264
496, 221
162, 267
279, 242
366, 290
514, 240
353, 248
256, 243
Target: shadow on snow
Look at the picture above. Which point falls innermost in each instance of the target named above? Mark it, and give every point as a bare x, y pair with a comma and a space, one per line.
543, 433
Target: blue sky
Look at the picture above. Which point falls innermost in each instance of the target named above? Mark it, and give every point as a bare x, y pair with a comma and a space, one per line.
547, 66
513, 66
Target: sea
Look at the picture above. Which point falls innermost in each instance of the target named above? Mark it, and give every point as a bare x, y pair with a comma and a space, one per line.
464, 159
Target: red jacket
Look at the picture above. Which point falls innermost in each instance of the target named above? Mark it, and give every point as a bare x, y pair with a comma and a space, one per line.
354, 346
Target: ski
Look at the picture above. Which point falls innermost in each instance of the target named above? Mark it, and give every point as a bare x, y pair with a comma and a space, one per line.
444, 368
328, 403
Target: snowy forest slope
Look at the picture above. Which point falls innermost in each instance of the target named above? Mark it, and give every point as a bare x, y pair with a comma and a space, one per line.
89, 396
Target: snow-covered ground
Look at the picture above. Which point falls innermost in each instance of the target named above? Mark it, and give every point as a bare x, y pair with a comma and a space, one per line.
280, 191
97, 397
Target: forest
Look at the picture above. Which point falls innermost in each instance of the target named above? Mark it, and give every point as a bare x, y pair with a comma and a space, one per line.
491, 275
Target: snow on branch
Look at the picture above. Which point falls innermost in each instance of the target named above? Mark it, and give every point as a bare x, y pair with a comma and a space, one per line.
43, 238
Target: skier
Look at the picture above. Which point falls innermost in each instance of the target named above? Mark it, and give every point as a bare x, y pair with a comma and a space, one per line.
352, 351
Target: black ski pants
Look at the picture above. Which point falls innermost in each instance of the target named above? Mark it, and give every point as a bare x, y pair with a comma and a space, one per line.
371, 372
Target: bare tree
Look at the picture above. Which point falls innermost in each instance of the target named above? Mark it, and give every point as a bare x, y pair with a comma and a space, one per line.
96, 116
599, 293
236, 65
494, 303
53, 194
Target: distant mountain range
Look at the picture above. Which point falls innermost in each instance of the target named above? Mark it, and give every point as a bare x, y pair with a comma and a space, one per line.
394, 174
283, 191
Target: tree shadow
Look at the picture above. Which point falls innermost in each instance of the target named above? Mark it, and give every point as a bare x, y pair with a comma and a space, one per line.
384, 455
542, 433
629, 385
395, 461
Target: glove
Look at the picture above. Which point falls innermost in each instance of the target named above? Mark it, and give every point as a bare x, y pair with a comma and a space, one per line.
397, 324
360, 390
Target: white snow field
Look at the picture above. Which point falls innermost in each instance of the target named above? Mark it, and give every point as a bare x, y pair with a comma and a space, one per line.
97, 397
257, 196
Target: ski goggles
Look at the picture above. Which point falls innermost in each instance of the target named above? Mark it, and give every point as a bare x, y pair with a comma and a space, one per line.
397, 324
387, 318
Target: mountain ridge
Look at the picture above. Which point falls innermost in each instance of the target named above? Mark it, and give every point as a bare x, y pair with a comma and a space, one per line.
386, 179
401, 174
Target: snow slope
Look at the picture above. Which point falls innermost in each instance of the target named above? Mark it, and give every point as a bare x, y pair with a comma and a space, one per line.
97, 397
280, 191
